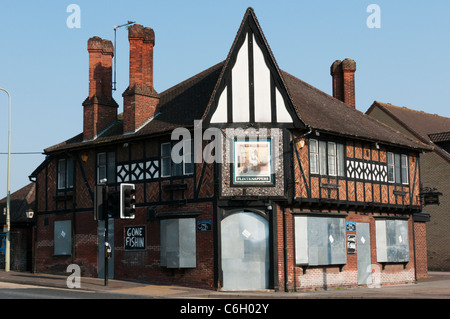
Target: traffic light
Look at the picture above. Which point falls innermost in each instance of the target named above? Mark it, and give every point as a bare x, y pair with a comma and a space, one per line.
112, 204
106, 203
127, 201
99, 194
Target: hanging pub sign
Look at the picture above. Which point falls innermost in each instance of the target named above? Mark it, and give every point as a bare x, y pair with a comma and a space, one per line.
135, 238
252, 162
430, 196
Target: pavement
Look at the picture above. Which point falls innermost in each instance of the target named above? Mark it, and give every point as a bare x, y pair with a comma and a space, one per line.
436, 286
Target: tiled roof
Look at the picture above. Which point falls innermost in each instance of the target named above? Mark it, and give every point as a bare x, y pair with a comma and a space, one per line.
323, 112
20, 202
429, 128
187, 101
419, 122
440, 137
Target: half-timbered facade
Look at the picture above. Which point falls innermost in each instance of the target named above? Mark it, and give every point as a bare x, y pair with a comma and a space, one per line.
276, 185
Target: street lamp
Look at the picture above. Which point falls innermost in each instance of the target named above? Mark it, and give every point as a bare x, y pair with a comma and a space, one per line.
115, 29
8, 221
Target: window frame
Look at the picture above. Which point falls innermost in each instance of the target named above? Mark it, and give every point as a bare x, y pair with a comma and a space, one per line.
314, 157
308, 248
109, 167
177, 169
178, 243
392, 240
399, 169
323, 158
67, 173
404, 175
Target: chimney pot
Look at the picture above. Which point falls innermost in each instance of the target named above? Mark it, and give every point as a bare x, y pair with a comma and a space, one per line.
149, 35
349, 65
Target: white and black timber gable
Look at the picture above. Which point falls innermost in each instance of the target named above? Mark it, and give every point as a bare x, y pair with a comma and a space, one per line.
250, 88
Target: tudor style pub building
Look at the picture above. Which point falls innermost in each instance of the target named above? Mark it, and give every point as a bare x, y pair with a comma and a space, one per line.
293, 188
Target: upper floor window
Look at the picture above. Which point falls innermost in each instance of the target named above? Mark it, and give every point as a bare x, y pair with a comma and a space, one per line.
169, 167
397, 168
326, 158
65, 173
106, 167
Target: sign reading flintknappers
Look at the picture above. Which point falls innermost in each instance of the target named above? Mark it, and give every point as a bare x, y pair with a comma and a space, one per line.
135, 238
252, 162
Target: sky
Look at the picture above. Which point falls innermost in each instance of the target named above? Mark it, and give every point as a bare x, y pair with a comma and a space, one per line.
401, 48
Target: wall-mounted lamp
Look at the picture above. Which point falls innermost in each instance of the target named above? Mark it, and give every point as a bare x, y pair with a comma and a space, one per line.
29, 213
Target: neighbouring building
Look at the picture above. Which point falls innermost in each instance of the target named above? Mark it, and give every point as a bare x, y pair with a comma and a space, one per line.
246, 178
22, 230
434, 130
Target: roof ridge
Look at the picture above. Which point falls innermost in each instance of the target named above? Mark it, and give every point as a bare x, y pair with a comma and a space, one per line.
411, 110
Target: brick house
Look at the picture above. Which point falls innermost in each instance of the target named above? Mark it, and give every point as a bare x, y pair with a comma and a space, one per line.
278, 185
22, 228
435, 170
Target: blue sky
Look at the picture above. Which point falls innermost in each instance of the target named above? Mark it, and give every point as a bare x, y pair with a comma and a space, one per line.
44, 63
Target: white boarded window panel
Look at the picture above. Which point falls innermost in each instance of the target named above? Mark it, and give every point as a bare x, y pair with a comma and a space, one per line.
301, 240
240, 85
283, 115
263, 110
220, 115
380, 233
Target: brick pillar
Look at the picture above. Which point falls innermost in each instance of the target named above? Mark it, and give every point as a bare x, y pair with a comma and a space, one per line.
100, 109
140, 98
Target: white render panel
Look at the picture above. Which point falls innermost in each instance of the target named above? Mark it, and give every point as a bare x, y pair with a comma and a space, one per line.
240, 85
263, 110
283, 115
221, 113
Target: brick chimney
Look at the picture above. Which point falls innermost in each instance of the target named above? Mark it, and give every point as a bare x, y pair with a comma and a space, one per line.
100, 109
343, 75
140, 98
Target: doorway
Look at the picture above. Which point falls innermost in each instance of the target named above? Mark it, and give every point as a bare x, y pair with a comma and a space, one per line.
245, 251
363, 254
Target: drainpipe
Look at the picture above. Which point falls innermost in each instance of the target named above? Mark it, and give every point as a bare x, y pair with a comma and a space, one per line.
414, 248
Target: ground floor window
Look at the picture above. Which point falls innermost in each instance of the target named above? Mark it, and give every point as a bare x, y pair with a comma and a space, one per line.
392, 240
63, 237
178, 243
320, 241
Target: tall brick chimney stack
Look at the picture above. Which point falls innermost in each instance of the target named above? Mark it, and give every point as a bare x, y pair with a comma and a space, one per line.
100, 109
140, 98
343, 75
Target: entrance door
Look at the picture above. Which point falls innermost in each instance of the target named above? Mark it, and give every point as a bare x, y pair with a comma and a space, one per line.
245, 252
363, 254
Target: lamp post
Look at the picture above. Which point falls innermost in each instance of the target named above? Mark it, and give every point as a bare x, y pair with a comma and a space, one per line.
8, 221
